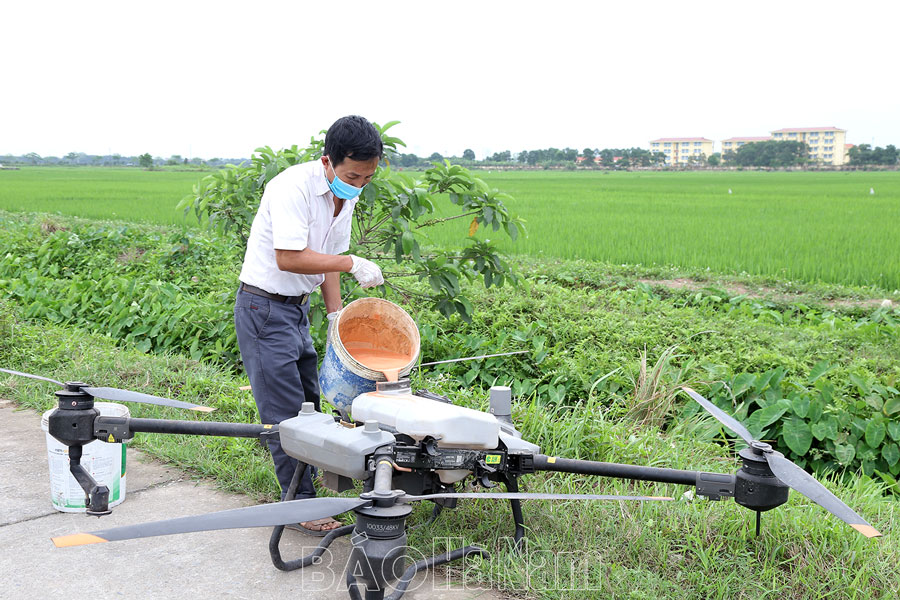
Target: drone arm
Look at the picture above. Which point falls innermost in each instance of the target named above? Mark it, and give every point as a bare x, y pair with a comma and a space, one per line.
713, 485
96, 496
115, 429
603, 469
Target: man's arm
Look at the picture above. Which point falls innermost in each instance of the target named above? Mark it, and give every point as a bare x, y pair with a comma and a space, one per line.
331, 292
310, 262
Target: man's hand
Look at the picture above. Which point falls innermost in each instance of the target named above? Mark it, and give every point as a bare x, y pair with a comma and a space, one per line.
367, 273
331, 318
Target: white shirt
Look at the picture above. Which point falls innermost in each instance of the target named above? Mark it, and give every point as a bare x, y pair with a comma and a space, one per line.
296, 212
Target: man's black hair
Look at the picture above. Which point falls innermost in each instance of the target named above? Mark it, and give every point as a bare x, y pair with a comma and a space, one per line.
352, 137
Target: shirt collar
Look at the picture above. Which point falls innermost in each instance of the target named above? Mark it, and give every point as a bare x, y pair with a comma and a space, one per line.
321, 181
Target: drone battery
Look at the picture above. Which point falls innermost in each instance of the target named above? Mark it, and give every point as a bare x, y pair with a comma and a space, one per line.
316, 439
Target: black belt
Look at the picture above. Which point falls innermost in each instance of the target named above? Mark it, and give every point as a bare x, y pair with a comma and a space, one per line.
252, 289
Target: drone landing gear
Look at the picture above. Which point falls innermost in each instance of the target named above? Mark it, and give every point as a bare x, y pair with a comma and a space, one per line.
96, 497
275, 539
512, 486
376, 593
378, 558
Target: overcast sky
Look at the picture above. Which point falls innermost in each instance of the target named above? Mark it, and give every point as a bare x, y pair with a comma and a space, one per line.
218, 79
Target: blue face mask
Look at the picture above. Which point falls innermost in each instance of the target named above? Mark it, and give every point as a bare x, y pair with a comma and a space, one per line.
341, 188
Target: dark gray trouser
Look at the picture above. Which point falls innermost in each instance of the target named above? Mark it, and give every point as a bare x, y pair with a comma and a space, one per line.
280, 359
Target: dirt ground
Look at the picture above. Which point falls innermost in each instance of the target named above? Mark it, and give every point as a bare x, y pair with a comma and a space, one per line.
769, 293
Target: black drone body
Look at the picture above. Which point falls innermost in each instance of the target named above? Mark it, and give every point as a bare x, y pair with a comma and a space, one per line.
398, 468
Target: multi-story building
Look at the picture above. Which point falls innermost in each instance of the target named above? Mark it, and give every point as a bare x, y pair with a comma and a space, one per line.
683, 151
847, 152
826, 144
732, 144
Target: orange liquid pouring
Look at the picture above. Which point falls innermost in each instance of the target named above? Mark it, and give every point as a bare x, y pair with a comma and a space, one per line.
385, 361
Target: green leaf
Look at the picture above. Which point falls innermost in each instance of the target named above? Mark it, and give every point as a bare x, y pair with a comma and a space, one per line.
844, 453
820, 369
800, 405
861, 384
868, 467
875, 402
764, 417
892, 406
762, 382
875, 431
891, 454
893, 428
858, 426
815, 410
742, 383
768, 415
797, 435
408, 240
890, 481
826, 429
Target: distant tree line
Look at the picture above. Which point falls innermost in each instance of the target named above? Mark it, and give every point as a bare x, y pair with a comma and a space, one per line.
146, 160
767, 154
771, 153
618, 158
864, 154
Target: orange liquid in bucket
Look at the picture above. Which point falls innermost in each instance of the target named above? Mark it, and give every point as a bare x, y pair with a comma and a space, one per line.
377, 359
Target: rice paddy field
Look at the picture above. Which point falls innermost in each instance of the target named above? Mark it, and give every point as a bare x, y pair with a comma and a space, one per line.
804, 226
789, 225
99, 193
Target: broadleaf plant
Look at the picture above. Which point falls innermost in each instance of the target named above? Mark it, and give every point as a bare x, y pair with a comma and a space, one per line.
391, 220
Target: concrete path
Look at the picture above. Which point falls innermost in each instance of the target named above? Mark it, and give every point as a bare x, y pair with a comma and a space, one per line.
231, 564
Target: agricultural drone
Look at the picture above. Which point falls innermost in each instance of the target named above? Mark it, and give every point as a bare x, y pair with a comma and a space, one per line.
401, 461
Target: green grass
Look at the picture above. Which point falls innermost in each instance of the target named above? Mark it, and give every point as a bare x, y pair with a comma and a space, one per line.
99, 193
798, 226
682, 549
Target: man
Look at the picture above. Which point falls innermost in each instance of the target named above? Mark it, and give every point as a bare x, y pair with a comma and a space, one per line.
296, 243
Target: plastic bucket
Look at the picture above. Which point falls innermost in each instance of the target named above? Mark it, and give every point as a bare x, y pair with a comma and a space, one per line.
379, 323
104, 461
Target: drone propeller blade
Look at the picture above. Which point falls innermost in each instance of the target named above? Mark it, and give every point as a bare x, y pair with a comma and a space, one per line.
20, 374
790, 474
798, 479
527, 496
723, 417
263, 515
117, 395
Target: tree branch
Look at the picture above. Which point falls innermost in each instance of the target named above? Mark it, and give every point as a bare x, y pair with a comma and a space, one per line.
444, 220
407, 294
415, 274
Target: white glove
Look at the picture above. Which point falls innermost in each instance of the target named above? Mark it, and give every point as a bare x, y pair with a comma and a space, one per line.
331, 318
367, 273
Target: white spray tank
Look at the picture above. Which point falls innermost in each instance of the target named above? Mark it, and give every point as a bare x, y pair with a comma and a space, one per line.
452, 426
